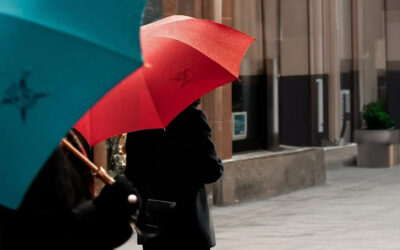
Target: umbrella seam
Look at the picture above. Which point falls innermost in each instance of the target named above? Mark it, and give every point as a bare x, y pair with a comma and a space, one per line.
152, 98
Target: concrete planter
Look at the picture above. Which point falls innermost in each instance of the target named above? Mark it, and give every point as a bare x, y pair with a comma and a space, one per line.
377, 148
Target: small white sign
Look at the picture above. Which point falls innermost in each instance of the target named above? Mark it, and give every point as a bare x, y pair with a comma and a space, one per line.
239, 125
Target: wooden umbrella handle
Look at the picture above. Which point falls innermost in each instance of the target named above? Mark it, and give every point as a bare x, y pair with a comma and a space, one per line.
99, 171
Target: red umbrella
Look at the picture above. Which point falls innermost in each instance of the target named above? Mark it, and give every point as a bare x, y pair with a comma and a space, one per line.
185, 58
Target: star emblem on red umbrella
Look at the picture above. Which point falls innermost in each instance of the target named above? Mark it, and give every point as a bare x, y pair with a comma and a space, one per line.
184, 77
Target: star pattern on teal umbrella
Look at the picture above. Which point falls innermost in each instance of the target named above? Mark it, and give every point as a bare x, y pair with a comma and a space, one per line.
20, 96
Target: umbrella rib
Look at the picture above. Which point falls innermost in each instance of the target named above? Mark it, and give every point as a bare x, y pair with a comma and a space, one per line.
152, 98
70, 34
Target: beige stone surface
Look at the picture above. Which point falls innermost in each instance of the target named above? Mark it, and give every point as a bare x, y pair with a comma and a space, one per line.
266, 174
357, 208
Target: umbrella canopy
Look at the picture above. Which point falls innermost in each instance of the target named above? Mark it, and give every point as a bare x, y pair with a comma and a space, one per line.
184, 59
57, 59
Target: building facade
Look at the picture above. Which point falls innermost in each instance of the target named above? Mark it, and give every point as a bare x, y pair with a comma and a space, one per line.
304, 82
314, 65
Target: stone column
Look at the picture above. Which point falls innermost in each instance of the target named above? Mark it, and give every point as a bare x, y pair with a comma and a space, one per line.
373, 49
271, 37
317, 79
294, 81
218, 103
393, 34
393, 59
368, 52
332, 64
316, 21
357, 27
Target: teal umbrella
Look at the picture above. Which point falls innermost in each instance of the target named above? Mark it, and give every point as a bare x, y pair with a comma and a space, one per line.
57, 58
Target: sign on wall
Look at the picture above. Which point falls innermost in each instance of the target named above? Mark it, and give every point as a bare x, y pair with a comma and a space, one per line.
239, 126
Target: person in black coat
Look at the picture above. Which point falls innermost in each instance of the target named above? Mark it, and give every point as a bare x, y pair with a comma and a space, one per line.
174, 165
58, 212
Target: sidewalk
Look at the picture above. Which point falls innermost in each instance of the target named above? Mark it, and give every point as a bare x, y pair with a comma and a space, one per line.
357, 208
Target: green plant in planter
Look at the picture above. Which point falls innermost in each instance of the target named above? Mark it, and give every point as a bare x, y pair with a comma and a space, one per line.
376, 116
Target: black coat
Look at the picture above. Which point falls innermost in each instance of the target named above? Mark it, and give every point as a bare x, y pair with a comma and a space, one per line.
174, 164
57, 213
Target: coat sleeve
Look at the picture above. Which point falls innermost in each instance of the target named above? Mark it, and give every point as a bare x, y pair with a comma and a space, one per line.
192, 139
206, 161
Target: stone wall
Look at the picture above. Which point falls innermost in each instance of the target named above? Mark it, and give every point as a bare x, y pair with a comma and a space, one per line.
264, 174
